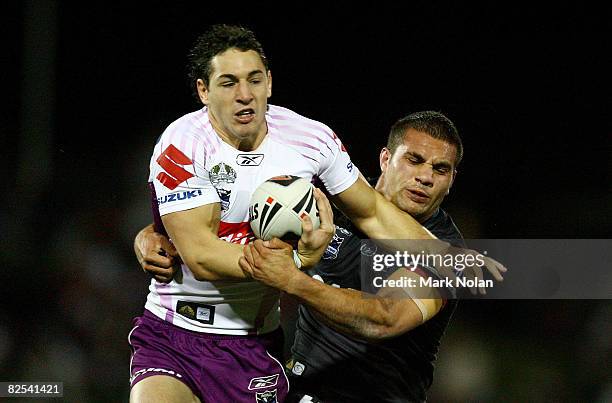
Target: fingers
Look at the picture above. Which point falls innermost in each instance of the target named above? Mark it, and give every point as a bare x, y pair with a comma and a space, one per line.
495, 268
307, 226
478, 275
276, 243
162, 279
155, 259
258, 248
326, 214
167, 246
248, 254
245, 266
161, 275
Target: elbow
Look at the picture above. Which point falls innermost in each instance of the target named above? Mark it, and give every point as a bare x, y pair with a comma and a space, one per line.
383, 332
390, 323
378, 333
385, 327
204, 275
198, 269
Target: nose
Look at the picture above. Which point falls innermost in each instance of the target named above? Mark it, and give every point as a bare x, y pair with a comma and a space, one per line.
244, 95
425, 175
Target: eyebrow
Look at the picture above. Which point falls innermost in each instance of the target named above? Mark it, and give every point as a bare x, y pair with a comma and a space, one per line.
441, 164
234, 78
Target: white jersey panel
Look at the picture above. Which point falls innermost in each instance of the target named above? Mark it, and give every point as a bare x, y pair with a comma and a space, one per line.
192, 167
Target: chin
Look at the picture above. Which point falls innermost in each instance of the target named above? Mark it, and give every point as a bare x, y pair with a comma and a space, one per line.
413, 209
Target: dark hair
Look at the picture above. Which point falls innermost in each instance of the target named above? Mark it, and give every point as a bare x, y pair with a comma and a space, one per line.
216, 40
433, 123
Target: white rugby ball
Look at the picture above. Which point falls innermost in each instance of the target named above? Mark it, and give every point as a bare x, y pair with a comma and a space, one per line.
277, 205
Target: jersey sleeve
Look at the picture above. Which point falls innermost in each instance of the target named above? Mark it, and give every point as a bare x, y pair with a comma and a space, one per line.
337, 171
178, 173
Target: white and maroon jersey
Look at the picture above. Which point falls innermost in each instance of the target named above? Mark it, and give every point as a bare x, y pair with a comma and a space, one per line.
191, 166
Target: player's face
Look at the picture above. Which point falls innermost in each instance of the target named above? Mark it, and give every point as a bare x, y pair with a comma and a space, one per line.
419, 174
237, 95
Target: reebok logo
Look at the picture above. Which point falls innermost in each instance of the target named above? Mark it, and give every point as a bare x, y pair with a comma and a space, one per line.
171, 160
263, 382
249, 160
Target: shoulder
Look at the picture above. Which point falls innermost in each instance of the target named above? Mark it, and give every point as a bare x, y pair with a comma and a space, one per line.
192, 134
195, 125
442, 225
289, 122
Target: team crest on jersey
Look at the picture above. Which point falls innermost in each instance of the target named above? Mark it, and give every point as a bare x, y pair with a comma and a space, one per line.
368, 248
333, 248
343, 230
222, 176
269, 396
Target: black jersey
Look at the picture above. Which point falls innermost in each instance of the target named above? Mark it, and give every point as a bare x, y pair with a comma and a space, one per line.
339, 368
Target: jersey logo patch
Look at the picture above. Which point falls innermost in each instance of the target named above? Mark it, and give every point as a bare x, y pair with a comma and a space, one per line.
268, 396
194, 311
333, 248
249, 160
171, 160
298, 368
222, 176
263, 382
368, 248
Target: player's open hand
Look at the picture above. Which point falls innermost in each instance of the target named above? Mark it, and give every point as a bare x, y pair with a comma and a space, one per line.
475, 272
270, 262
313, 242
156, 254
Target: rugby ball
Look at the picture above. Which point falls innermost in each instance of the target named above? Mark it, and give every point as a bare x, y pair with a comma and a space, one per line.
277, 206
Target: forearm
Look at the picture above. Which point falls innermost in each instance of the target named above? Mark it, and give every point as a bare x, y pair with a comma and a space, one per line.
217, 260
354, 313
194, 233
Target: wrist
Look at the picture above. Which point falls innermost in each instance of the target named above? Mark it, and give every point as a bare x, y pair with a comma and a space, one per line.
293, 282
296, 259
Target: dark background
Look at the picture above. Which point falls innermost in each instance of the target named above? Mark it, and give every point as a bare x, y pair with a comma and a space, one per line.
88, 87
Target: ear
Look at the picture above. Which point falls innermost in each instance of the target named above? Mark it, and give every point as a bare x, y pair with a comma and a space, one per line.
384, 158
202, 91
269, 83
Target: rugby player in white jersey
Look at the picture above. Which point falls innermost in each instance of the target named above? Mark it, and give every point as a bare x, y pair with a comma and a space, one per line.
208, 334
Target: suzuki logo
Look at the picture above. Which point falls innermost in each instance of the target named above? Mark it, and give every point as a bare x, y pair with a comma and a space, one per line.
171, 160
249, 160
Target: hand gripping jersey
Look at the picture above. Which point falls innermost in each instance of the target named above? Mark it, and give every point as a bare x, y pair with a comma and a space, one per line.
191, 166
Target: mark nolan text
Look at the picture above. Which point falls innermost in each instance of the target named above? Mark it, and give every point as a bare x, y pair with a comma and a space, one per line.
404, 282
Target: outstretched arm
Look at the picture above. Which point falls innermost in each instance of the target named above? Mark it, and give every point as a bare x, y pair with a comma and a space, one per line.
388, 314
377, 217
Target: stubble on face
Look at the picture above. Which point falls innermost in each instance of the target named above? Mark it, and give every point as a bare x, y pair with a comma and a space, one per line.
419, 174
237, 96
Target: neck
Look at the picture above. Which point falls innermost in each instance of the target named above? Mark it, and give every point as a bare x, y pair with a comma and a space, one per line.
249, 143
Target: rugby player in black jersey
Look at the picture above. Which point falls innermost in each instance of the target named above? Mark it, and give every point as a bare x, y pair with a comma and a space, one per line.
349, 348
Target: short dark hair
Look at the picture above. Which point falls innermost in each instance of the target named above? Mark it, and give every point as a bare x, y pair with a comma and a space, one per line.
216, 40
433, 123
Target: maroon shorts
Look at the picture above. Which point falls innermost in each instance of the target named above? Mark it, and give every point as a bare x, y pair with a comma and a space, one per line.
217, 368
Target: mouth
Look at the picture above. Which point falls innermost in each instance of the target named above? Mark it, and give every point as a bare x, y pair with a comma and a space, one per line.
417, 196
245, 116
